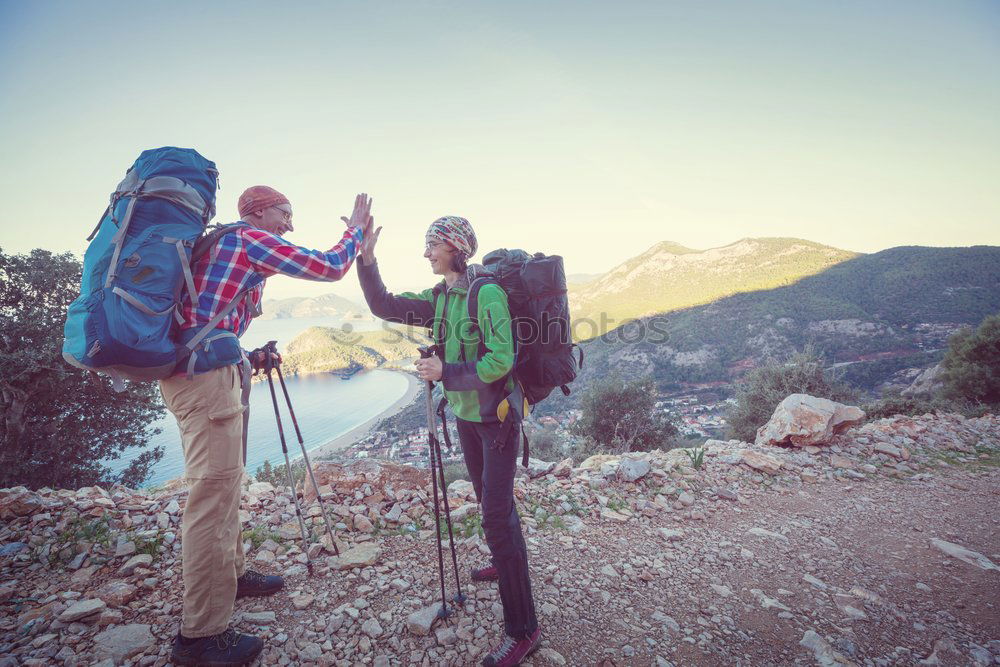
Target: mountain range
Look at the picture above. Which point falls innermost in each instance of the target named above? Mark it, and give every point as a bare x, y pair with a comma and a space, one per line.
669, 277
874, 316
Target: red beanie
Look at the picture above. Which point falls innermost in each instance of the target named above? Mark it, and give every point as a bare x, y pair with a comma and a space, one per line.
259, 197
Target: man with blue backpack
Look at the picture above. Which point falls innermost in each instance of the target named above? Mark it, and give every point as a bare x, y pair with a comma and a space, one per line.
161, 299
210, 411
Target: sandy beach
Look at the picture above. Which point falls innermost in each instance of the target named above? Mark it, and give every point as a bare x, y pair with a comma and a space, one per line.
344, 441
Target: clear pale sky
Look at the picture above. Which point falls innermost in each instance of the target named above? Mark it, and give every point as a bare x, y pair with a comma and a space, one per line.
588, 129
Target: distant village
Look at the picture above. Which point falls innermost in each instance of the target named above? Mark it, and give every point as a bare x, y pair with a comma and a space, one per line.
696, 416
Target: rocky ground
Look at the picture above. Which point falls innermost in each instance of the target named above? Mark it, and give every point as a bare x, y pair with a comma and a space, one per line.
880, 547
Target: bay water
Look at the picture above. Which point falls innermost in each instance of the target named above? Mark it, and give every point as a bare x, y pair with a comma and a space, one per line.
325, 405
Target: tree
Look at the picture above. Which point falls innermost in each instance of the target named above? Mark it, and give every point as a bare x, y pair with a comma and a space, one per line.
971, 366
765, 387
60, 426
623, 415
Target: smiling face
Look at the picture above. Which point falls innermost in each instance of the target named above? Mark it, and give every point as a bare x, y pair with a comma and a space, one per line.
276, 219
440, 255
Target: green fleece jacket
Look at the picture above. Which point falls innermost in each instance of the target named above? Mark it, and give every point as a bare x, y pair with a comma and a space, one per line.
478, 355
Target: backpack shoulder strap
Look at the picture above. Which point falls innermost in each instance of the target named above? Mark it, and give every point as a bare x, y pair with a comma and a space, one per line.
208, 241
472, 300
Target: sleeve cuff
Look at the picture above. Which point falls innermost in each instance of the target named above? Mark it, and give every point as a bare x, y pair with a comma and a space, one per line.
461, 376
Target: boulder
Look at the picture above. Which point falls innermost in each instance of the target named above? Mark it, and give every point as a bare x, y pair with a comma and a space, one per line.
348, 477
802, 420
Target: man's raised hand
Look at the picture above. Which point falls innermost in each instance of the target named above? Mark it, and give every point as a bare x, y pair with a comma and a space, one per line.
361, 216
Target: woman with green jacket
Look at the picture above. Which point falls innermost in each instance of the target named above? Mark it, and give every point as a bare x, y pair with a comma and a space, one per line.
475, 371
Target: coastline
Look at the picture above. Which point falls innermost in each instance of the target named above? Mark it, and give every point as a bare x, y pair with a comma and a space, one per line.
361, 430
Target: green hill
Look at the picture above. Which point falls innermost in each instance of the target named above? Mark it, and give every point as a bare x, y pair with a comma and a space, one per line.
874, 314
324, 349
670, 277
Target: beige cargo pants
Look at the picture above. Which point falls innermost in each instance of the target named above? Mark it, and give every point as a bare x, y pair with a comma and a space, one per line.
209, 413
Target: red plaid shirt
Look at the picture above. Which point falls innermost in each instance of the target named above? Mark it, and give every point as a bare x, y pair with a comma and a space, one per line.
245, 259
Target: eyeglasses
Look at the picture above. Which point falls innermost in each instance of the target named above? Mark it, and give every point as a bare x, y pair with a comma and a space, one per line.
286, 215
430, 245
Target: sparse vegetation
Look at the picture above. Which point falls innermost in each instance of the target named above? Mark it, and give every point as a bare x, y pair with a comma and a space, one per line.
765, 387
971, 367
902, 405
623, 417
277, 475
260, 534
697, 456
455, 470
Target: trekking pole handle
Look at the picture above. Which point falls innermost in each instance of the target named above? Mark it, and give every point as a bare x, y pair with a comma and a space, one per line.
270, 348
428, 351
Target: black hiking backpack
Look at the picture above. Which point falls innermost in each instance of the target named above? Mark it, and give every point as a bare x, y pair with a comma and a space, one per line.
536, 295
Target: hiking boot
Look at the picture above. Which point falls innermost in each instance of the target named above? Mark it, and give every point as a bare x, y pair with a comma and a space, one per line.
255, 584
225, 648
512, 651
488, 573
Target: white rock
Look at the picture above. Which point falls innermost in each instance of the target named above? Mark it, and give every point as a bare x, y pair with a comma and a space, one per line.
420, 621
123, 641
760, 532
372, 628
259, 617
822, 651
366, 553
138, 560
631, 470
803, 420
964, 555
82, 609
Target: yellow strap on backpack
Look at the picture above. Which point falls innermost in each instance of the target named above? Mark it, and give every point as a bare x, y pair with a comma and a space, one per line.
504, 407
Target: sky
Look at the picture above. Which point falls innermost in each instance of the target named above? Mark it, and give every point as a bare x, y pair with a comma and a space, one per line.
592, 130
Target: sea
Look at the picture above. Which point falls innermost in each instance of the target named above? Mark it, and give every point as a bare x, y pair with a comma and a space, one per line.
325, 405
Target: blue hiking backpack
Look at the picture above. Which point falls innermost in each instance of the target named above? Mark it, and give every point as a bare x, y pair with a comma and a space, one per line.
137, 268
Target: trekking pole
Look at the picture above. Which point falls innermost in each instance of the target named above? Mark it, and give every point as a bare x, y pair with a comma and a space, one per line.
435, 467
270, 347
268, 365
459, 598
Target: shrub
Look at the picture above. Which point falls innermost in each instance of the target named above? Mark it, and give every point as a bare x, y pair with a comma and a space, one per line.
765, 387
971, 366
278, 475
903, 405
59, 426
623, 416
455, 470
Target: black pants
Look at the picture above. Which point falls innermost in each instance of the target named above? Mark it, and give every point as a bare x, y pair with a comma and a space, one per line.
492, 474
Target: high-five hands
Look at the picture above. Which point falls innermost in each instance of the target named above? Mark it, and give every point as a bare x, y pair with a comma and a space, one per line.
361, 217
